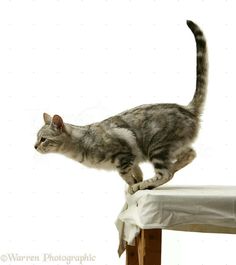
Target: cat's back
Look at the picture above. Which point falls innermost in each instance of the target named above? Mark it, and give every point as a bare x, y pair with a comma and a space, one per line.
152, 117
164, 113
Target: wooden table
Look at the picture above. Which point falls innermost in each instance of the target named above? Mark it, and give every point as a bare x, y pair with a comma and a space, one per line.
193, 209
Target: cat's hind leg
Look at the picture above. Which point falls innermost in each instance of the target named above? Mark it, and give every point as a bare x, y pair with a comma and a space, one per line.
183, 159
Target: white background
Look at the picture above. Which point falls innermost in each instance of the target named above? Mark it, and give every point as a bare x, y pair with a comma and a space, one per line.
87, 60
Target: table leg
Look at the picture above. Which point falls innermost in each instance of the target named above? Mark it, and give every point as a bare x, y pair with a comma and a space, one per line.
149, 247
132, 255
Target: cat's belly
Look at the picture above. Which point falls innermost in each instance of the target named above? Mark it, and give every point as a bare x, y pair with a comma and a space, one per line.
92, 162
106, 165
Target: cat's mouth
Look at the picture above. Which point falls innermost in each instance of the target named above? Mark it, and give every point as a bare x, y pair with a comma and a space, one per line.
40, 150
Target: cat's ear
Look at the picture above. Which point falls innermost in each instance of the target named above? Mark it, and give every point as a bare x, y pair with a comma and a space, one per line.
47, 118
57, 122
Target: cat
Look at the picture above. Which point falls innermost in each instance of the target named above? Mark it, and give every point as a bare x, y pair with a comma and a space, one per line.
159, 133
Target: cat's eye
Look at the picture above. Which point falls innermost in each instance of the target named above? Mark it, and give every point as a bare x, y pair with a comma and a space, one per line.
42, 139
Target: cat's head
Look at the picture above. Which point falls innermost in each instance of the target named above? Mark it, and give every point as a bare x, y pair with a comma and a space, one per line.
52, 137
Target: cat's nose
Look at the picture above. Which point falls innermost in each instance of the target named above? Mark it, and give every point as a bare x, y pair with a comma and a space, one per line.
36, 146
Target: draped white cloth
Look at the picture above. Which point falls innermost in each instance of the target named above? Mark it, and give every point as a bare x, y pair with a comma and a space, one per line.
184, 208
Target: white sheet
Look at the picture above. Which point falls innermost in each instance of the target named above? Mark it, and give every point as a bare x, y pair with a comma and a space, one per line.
200, 208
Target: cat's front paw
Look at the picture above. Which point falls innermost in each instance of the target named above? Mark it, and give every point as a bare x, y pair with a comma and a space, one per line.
133, 188
141, 186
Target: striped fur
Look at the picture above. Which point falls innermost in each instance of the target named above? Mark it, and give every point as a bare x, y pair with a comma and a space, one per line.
198, 100
159, 133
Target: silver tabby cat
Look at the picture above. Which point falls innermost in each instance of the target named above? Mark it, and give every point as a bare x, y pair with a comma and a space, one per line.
159, 133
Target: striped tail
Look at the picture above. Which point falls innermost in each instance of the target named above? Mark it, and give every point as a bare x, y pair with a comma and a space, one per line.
198, 100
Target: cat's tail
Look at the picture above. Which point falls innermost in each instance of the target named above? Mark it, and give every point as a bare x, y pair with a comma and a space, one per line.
198, 100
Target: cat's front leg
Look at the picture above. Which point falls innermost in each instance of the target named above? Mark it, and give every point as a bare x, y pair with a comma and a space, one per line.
128, 177
132, 175
128, 169
124, 163
137, 173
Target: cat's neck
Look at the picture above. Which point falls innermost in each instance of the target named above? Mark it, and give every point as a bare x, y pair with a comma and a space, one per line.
76, 141
76, 132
